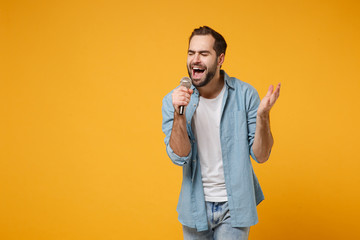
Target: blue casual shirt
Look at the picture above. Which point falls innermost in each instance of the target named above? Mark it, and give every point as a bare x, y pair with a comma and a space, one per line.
237, 131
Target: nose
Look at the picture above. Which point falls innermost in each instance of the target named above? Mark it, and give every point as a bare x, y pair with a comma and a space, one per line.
196, 58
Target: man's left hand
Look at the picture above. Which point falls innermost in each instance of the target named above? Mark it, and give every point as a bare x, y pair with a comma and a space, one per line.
268, 101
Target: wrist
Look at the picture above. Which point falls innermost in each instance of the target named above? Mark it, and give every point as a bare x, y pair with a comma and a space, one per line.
263, 116
178, 115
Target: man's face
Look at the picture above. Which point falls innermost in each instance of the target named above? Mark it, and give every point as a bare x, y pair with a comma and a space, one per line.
202, 62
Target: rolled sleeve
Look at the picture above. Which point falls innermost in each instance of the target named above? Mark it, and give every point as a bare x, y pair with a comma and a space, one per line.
253, 154
252, 103
176, 158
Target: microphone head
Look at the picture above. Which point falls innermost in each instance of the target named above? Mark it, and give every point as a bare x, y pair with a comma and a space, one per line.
186, 82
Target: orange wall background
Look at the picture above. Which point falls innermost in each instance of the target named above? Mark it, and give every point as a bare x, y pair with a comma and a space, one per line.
81, 83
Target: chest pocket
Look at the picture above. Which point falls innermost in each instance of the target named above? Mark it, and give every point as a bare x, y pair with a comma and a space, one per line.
235, 126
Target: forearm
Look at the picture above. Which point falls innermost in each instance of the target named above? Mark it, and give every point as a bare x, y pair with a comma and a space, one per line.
179, 140
263, 140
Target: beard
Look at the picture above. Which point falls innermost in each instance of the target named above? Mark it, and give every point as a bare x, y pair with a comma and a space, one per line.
211, 71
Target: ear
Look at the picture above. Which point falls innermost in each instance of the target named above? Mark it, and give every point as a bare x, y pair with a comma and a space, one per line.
221, 59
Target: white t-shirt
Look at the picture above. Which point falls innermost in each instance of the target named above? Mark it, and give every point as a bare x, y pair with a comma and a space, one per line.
206, 126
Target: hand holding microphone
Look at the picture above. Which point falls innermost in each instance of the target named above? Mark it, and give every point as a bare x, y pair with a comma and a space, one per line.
181, 95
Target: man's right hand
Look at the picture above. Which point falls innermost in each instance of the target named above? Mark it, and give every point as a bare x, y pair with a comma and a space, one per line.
181, 97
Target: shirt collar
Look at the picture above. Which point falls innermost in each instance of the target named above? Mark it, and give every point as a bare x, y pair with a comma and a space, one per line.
227, 79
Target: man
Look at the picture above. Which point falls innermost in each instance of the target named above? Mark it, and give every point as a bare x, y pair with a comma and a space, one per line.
224, 123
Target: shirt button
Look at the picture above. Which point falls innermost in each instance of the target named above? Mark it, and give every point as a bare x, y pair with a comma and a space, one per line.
194, 105
188, 122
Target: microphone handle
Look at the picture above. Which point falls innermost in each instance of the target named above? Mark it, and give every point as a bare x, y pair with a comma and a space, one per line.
181, 110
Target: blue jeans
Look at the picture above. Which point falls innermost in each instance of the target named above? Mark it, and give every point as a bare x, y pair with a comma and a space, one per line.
220, 228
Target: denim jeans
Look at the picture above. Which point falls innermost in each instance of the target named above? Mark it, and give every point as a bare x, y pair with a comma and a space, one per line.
218, 216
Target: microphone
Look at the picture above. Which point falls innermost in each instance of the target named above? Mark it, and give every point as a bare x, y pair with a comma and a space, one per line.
186, 82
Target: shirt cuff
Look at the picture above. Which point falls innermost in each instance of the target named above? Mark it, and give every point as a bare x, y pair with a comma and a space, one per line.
253, 154
176, 158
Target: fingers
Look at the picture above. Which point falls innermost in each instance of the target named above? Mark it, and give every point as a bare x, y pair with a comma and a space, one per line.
269, 100
181, 97
271, 89
277, 90
275, 95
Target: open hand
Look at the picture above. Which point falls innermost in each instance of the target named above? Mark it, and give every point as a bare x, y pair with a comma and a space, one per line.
269, 100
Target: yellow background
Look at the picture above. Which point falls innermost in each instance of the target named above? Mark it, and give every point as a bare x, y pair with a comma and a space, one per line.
81, 83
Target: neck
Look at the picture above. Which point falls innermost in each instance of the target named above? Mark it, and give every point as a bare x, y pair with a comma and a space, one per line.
213, 88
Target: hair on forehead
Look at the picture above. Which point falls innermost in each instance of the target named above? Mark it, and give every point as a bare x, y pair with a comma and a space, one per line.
220, 43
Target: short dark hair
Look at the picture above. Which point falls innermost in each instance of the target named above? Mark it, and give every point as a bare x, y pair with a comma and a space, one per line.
220, 43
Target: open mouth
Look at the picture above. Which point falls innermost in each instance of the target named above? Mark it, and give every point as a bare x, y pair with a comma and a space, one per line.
197, 72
